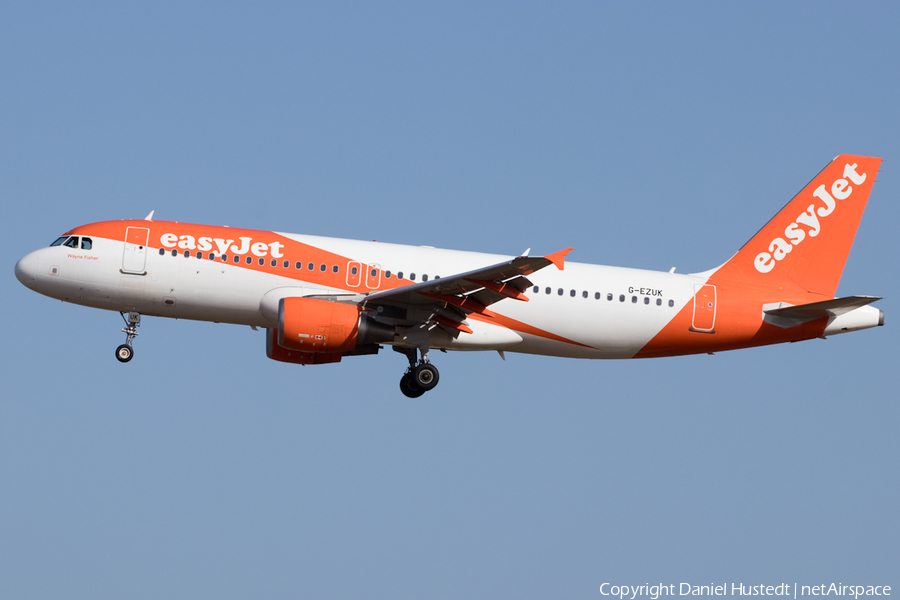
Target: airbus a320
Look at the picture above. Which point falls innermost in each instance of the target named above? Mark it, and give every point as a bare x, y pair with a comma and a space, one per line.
322, 299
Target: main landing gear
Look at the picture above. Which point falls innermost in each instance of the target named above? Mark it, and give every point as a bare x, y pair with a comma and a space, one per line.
125, 352
419, 377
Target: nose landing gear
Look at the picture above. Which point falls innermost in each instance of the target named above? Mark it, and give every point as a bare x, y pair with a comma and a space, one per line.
125, 352
419, 377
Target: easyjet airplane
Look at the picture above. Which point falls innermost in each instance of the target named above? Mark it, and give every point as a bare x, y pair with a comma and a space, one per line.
321, 299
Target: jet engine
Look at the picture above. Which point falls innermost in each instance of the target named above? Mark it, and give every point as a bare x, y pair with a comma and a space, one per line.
312, 332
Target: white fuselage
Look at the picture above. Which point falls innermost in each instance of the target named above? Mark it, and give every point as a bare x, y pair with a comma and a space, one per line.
608, 312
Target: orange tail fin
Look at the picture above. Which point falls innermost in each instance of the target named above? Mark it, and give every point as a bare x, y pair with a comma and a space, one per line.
806, 244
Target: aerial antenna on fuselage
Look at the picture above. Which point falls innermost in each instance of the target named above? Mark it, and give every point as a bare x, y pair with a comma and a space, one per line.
150, 216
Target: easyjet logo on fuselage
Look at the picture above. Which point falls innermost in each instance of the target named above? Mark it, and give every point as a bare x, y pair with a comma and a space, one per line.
222, 245
780, 247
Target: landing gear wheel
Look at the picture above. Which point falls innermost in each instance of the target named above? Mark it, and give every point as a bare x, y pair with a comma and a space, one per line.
425, 376
124, 353
406, 386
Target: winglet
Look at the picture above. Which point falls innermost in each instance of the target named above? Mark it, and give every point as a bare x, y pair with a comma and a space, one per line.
558, 258
150, 216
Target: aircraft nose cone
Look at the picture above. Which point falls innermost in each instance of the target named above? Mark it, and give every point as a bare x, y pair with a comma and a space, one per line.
26, 270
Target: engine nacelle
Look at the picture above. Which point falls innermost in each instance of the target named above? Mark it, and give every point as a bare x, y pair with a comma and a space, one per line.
276, 352
317, 325
317, 331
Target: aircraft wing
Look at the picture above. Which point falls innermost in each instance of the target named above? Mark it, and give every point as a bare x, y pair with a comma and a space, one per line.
446, 301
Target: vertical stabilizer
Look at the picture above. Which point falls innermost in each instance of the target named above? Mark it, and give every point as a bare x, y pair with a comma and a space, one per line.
804, 247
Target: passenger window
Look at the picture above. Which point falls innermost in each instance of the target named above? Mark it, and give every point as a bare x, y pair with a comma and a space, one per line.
536, 289
646, 300
559, 292
412, 276
399, 274
547, 291
72, 242
374, 273
273, 263
659, 301
212, 256
298, 265
322, 267
354, 270
387, 274
310, 266
262, 261
237, 259
187, 253
249, 260
199, 255
286, 264
86, 243
671, 303
162, 251
572, 293
596, 295
621, 297
584, 294
609, 297
224, 258
424, 277
634, 299
334, 269
59, 241
174, 252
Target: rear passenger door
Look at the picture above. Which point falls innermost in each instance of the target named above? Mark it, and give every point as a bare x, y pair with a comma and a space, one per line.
704, 319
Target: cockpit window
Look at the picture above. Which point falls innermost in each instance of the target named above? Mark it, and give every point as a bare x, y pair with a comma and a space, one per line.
86, 243
59, 241
72, 242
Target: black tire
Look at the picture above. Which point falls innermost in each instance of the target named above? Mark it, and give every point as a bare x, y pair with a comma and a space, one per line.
425, 377
408, 387
124, 353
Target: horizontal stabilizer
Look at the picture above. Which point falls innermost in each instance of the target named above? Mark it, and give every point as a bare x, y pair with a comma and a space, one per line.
827, 308
786, 315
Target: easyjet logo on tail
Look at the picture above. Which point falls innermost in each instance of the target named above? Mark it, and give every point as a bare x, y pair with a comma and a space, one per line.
795, 234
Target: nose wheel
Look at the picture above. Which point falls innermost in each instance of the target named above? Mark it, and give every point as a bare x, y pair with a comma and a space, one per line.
125, 352
420, 377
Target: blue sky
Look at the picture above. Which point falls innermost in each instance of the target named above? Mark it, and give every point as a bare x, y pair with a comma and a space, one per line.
651, 135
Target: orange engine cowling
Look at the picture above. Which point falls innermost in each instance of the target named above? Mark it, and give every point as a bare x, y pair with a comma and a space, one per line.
314, 332
317, 326
279, 353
